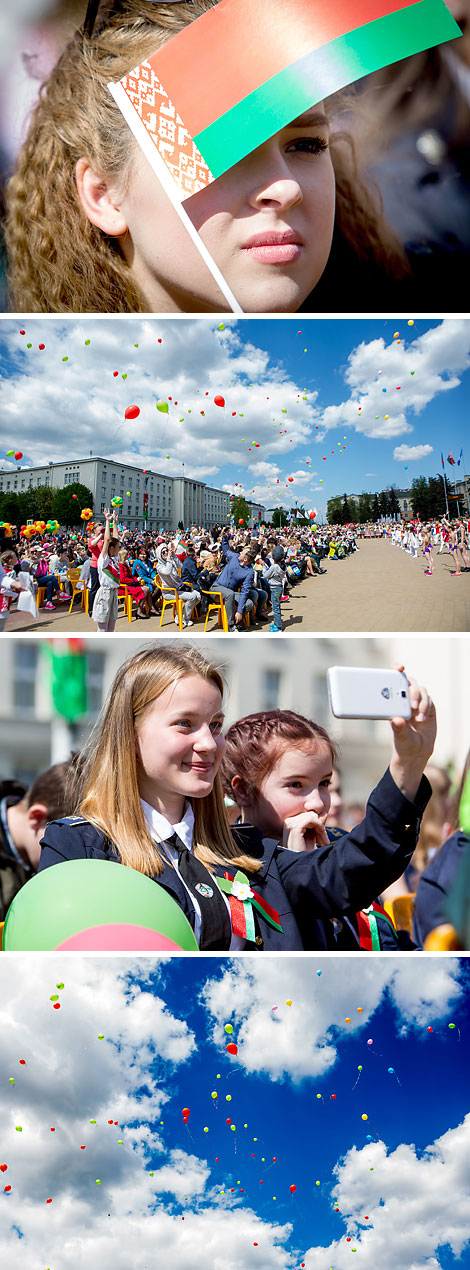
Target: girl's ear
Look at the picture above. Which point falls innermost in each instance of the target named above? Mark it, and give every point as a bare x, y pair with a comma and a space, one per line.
98, 200
242, 793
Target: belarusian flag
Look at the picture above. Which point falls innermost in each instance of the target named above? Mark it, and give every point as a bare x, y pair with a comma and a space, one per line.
246, 68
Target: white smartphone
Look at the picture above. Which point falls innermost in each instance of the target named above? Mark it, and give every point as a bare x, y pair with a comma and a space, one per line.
356, 692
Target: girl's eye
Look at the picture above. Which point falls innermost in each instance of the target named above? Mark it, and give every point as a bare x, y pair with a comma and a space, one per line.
308, 145
216, 727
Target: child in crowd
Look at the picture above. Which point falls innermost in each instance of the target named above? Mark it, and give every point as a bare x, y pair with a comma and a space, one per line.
278, 767
105, 607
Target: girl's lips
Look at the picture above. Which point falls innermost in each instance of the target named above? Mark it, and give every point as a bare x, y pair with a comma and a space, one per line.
275, 248
275, 253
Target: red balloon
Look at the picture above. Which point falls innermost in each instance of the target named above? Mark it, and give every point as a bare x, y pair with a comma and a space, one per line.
228, 1121
219, 401
22, 332
231, 1048
56, 1006
115, 372
74, 495
7, 1188
23, 1062
41, 346
3, 1168
19, 454
290, 478
292, 1189
185, 1111
132, 412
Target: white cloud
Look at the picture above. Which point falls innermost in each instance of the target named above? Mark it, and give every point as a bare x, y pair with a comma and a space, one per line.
402, 452
300, 1041
399, 380
193, 363
415, 1203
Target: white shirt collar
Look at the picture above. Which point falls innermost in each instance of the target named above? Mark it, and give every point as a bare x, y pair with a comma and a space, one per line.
161, 829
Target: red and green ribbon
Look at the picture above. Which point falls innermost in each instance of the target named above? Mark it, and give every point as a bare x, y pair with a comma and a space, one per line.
242, 900
369, 937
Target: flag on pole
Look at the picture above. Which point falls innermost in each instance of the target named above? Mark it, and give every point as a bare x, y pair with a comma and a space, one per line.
450, 459
243, 70
459, 460
442, 461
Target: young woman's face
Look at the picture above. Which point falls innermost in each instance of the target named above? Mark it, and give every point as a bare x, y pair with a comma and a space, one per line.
267, 222
180, 745
299, 781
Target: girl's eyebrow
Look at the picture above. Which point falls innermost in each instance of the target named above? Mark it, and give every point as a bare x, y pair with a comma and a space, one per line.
313, 120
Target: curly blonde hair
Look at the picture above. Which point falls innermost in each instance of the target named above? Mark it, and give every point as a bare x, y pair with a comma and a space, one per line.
58, 261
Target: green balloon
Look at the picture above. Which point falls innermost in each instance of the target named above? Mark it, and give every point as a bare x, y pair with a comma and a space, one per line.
228, 1028
12, 1080
102, 905
163, 406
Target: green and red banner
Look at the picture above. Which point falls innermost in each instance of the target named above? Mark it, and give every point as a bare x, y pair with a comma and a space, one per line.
247, 68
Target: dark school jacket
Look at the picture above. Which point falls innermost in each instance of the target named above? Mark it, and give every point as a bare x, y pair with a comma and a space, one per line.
304, 888
434, 885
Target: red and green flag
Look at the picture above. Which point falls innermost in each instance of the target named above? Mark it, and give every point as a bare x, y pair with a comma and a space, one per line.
246, 68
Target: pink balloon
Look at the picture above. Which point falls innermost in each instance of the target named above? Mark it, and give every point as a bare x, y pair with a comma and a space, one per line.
118, 937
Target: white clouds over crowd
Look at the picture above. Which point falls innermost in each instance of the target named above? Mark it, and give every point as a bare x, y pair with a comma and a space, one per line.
71, 385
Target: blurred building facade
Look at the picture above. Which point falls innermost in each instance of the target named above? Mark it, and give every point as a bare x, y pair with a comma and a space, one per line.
260, 674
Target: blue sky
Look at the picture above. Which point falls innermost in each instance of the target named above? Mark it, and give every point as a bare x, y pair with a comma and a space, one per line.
378, 409
164, 1048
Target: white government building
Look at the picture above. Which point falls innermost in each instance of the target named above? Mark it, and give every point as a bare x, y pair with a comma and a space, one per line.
168, 500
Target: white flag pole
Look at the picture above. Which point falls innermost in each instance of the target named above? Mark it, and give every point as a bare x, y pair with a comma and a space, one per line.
166, 181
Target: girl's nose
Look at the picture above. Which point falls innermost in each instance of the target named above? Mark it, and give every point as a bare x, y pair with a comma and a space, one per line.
274, 187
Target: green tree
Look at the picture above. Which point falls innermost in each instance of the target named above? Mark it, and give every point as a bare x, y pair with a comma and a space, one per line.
375, 508
393, 504
9, 508
345, 511
241, 511
437, 500
383, 503
419, 498
334, 511
66, 508
364, 510
280, 518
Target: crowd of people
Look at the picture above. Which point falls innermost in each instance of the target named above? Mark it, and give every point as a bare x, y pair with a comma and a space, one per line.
420, 538
186, 806
255, 570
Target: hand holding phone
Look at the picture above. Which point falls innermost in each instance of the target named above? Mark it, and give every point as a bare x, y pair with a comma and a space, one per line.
358, 692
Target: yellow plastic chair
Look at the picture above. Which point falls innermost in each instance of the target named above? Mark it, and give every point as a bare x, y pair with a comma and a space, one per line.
40, 596
401, 911
73, 576
216, 605
1, 935
123, 595
443, 939
170, 596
